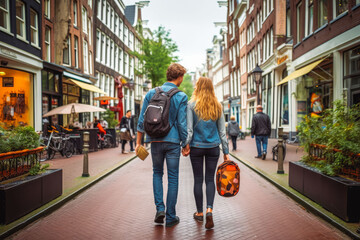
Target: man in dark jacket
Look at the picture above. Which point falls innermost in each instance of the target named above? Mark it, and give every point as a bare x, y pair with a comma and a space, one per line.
128, 122
261, 129
233, 131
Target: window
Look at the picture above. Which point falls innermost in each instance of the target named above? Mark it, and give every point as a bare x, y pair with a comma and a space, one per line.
103, 48
89, 30
107, 16
271, 41
75, 13
125, 35
20, 20
131, 69
4, 15
84, 20
120, 28
103, 16
284, 117
76, 51
288, 22
99, 9
322, 13
98, 45
34, 32
116, 23
125, 64
111, 55
90, 3
120, 68
310, 17
116, 57
66, 53
231, 3
357, 2
47, 8
107, 52
340, 6
298, 23
47, 44
90, 63
86, 57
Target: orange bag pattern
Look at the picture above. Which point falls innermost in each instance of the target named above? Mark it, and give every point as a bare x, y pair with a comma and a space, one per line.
228, 179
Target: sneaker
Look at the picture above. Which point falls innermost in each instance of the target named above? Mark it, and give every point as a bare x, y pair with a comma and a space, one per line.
258, 157
132, 151
263, 155
173, 223
124, 152
159, 217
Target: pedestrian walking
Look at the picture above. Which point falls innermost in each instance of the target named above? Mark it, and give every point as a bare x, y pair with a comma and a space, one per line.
127, 122
261, 129
166, 132
206, 131
233, 131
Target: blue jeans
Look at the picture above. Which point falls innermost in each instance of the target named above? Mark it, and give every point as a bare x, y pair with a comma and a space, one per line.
170, 152
264, 141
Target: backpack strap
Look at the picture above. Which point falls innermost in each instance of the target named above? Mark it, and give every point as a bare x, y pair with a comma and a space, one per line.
158, 90
172, 92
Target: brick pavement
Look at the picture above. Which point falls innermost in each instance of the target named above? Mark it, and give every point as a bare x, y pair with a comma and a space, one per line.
121, 207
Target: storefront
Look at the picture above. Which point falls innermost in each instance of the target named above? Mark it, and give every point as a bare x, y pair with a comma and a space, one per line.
16, 98
352, 75
51, 94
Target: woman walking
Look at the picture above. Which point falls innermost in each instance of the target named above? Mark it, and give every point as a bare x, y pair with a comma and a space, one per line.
233, 131
206, 130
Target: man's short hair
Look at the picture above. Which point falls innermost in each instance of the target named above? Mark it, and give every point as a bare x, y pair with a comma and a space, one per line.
175, 71
128, 111
232, 118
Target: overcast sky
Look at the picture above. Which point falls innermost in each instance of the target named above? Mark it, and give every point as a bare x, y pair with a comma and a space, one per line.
191, 25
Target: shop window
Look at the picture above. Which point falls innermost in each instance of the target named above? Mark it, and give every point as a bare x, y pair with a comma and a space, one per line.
66, 53
4, 15
340, 6
75, 9
47, 44
322, 13
47, 8
284, 101
76, 51
352, 75
20, 20
16, 106
50, 81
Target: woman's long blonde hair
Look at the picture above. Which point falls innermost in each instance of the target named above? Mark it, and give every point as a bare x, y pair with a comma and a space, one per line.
206, 104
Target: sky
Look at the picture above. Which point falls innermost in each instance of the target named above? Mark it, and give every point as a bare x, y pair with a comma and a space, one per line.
191, 25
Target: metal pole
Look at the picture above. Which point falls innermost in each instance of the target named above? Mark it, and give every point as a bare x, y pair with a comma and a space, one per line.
85, 151
258, 93
280, 157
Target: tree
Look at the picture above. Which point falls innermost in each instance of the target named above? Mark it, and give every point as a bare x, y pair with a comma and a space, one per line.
187, 86
156, 54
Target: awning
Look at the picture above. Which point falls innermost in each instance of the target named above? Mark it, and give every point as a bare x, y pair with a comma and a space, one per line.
76, 77
89, 87
300, 72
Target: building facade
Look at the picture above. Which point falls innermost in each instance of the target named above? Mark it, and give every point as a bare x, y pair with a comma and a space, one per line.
20, 63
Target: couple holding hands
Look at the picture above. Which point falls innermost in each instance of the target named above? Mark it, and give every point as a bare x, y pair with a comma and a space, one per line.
198, 126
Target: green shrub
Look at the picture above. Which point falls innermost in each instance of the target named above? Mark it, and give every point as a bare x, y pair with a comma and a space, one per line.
18, 138
109, 116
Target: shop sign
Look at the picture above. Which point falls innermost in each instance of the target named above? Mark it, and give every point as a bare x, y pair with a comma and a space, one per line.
282, 59
8, 82
8, 52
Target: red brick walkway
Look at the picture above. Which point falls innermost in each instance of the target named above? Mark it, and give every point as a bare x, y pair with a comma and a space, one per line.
121, 207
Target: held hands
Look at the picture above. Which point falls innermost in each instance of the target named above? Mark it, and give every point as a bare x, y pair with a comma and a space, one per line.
226, 157
186, 150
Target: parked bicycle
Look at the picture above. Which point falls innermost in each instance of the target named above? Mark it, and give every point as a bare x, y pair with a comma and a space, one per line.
275, 149
107, 141
56, 142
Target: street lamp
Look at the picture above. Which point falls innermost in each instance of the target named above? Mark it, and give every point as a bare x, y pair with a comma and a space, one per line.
257, 76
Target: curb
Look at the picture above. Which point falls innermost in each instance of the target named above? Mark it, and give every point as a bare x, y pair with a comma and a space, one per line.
61, 202
299, 200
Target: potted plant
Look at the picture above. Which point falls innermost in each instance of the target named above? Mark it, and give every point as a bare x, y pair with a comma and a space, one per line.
329, 172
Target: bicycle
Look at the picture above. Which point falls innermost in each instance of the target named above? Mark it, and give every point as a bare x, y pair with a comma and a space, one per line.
105, 142
275, 149
57, 143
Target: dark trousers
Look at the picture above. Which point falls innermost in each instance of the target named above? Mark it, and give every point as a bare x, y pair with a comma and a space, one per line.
123, 145
233, 139
197, 156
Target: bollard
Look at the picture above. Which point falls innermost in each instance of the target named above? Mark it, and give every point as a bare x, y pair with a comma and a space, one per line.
280, 157
86, 138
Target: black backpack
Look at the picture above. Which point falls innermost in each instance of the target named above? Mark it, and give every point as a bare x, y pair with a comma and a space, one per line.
156, 116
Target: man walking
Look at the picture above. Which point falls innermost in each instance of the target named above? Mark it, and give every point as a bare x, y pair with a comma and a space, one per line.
167, 147
128, 122
261, 128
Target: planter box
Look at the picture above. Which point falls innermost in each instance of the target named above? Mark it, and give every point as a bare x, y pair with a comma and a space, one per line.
336, 194
21, 197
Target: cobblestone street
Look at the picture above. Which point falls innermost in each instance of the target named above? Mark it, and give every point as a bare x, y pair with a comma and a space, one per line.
121, 207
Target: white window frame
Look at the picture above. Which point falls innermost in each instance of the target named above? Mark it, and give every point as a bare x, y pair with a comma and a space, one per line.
90, 63
69, 52
99, 9
107, 15
47, 40
22, 21
103, 16
86, 56
334, 9
116, 57
90, 3
120, 67
98, 44
84, 20
75, 13
107, 58
120, 29
34, 30
111, 25
111, 54
76, 51
7, 17
47, 8
89, 26
116, 18
298, 19
126, 30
